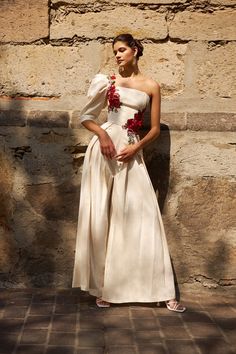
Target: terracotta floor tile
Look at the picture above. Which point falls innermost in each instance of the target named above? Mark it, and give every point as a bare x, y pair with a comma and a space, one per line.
213, 345
175, 332
147, 337
116, 337
54, 349
30, 349
204, 329
181, 346
61, 338
91, 338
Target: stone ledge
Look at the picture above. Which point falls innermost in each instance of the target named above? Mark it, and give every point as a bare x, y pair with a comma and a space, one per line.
13, 118
193, 121
211, 121
75, 102
58, 119
175, 121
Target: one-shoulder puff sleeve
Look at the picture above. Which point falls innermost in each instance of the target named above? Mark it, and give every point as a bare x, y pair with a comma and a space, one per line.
97, 98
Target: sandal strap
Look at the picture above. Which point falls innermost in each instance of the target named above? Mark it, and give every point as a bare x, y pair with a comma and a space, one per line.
176, 304
99, 300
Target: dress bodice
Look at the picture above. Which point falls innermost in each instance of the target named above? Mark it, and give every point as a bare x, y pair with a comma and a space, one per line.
131, 101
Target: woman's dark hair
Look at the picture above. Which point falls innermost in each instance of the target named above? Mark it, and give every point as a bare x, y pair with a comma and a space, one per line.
130, 41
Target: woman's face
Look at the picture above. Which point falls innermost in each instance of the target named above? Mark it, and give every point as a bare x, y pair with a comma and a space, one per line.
123, 53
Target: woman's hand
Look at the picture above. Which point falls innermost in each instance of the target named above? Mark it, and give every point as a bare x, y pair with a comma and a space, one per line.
126, 154
106, 145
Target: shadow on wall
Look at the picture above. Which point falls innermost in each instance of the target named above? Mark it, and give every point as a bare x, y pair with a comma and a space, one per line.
39, 200
157, 159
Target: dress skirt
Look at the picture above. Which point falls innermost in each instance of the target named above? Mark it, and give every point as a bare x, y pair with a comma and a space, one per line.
121, 251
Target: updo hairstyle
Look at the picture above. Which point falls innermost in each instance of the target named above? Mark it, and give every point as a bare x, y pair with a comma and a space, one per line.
130, 41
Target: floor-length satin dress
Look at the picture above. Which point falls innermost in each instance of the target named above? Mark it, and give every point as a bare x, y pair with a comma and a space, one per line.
121, 249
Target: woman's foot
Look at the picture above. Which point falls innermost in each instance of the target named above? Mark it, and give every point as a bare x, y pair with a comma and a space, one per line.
102, 303
174, 305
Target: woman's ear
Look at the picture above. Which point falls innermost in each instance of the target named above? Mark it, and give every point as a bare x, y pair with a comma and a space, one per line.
135, 50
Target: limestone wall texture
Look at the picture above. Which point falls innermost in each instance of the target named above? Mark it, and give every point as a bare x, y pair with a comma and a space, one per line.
49, 52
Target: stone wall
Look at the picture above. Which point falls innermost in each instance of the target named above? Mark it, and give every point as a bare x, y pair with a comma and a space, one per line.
49, 51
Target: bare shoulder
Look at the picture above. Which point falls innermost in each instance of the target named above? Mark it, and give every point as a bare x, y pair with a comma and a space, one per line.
152, 86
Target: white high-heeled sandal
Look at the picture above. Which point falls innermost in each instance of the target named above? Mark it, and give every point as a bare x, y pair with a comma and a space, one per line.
174, 305
102, 303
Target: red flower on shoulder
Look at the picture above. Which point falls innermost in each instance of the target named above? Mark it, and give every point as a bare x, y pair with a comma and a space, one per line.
113, 96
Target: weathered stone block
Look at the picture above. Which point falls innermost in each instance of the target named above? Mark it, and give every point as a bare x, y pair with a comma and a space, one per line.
9, 254
105, 24
8, 245
7, 185
223, 2
23, 20
13, 117
85, 2
48, 119
165, 64
48, 71
211, 121
219, 25
152, 2
205, 210
208, 67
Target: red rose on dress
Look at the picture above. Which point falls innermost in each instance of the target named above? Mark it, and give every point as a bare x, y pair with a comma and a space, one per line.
133, 125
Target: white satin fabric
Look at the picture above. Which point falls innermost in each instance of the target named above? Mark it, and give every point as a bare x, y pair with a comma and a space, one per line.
121, 249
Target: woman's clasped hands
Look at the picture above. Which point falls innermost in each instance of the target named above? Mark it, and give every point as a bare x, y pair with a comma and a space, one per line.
127, 153
109, 151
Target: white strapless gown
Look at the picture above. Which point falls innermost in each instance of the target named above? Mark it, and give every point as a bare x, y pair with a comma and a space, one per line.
121, 249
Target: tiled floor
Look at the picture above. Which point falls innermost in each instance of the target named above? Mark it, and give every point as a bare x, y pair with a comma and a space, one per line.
50, 321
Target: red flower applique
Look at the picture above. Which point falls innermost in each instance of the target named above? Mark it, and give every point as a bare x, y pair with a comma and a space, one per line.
113, 96
133, 125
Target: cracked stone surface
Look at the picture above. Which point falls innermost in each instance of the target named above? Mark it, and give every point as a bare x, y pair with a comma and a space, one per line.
219, 25
48, 70
23, 21
210, 65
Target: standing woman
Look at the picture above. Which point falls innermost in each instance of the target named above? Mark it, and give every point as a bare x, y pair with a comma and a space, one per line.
121, 249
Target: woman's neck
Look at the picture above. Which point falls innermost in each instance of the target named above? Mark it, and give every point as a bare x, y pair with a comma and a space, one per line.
130, 71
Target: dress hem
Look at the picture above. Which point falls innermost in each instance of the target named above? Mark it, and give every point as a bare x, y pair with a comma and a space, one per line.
115, 301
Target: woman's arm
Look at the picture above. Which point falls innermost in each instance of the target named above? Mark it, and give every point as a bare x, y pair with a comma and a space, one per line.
106, 145
128, 152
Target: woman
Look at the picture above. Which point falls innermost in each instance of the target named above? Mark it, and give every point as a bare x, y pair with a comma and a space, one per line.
121, 250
